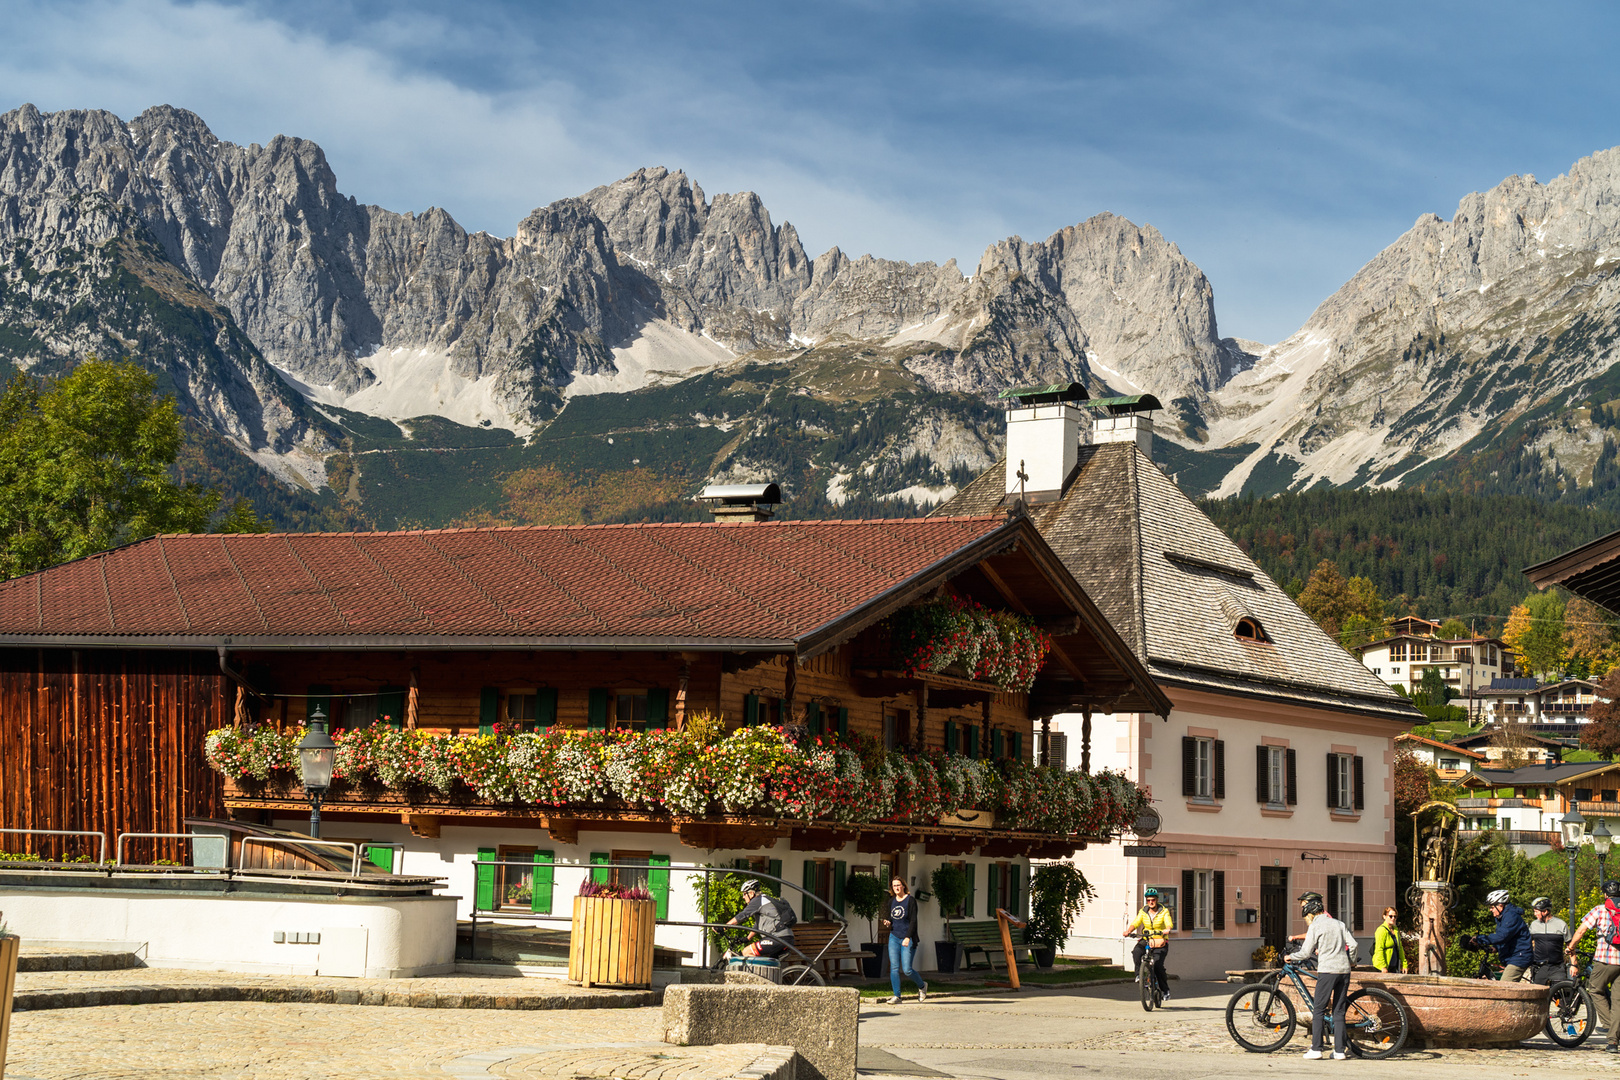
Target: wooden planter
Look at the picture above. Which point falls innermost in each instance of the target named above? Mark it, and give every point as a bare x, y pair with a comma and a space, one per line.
612, 942
8, 986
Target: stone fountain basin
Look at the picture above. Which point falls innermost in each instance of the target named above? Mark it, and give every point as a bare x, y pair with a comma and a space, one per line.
1445, 1011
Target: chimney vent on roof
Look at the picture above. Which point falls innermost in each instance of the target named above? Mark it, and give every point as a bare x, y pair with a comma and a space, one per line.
1128, 419
1043, 439
742, 502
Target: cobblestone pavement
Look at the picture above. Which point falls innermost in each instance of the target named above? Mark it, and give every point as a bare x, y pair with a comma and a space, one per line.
70, 989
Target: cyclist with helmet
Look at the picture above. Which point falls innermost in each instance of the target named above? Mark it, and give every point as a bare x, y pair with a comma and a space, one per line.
1511, 939
768, 913
1604, 920
1152, 927
1330, 943
1548, 936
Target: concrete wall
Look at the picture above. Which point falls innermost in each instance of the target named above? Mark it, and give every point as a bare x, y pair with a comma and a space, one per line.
377, 939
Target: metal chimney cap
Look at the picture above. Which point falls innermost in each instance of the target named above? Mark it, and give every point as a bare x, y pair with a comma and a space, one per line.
1046, 395
1119, 406
737, 494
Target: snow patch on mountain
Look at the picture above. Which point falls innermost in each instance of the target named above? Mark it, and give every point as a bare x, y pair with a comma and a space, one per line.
661, 353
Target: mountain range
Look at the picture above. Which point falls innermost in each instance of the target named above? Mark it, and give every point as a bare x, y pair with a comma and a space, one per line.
344, 364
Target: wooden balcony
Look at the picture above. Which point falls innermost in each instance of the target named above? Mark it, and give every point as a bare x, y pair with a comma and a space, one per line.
1500, 804
426, 812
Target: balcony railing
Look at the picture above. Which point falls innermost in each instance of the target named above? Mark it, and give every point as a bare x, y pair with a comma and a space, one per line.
1601, 809
1527, 837
1499, 804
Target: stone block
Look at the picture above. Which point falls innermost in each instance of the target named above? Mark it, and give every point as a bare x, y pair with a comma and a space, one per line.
821, 1022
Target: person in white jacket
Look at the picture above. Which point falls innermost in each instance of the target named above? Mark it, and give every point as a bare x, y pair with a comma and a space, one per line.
1331, 945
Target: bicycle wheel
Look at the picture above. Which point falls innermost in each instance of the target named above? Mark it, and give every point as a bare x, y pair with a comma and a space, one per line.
1569, 1014
802, 975
1374, 1023
1260, 1019
1144, 976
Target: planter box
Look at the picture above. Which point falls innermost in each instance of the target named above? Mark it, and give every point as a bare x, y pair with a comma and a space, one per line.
9, 947
612, 942
970, 819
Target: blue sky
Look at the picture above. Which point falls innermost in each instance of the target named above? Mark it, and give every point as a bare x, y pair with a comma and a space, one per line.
1280, 145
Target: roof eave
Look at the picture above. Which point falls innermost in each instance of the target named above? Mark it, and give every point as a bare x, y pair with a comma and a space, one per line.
1278, 689
394, 642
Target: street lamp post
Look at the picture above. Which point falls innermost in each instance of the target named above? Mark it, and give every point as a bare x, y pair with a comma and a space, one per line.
315, 763
1602, 840
1572, 827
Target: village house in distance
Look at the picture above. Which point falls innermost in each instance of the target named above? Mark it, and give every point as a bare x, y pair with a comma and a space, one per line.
1272, 773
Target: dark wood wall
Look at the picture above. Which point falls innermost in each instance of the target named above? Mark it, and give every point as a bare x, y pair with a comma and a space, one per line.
109, 740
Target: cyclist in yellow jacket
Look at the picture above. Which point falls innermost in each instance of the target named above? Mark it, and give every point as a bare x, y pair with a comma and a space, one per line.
1152, 927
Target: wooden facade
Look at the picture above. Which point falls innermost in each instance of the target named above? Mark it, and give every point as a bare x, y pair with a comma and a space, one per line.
106, 740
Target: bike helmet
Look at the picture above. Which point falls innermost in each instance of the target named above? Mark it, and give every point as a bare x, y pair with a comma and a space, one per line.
1150, 893
1496, 896
1541, 903
1311, 903
751, 885
1611, 888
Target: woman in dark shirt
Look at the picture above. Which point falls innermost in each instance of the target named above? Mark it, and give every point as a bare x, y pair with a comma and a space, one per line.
901, 919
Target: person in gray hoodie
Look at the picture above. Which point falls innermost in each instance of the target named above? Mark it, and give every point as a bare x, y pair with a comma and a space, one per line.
1331, 945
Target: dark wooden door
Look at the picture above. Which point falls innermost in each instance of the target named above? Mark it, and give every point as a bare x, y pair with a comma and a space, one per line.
1274, 907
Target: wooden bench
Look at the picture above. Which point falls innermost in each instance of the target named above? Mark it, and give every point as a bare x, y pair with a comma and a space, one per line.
811, 937
984, 936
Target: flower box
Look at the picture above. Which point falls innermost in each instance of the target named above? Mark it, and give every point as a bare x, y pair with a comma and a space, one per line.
969, 819
612, 942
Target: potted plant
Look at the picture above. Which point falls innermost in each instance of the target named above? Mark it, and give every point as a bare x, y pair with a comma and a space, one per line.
611, 938
9, 945
1265, 957
1057, 892
951, 889
865, 896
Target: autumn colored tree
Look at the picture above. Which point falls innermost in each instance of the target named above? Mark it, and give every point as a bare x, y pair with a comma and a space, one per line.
1413, 781
1535, 632
1602, 735
1588, 637
1333, 602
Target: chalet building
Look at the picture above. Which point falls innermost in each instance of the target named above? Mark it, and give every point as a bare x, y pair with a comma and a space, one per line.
1556, 710
1272, 775
1466, 665
1449, 761
1511, 743
170, 679
1525, 805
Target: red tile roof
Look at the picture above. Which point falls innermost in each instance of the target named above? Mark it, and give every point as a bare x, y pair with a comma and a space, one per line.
710, 582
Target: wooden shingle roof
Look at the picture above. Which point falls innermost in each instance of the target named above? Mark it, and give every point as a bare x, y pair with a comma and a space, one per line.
1174, 585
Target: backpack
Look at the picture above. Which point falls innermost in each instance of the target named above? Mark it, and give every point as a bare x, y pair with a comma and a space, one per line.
1614, 923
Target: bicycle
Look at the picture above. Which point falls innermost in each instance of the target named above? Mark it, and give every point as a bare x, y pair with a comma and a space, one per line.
1261, 1018
792, 974
1152, 996
1570, 1009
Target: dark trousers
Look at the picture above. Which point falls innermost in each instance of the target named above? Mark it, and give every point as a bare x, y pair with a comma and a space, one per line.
1155, 963
1331, 990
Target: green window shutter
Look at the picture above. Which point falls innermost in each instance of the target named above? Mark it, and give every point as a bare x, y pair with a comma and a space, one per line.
950, 736
601, 874
970, 740
967, 908
810, 907
545, 707
774, 868
1016, 750
839, 870
843, 721
998, 745
544, 876
750, 710
658, 710
391, 703
484, 891
597, 718
379, 856
489, 701
320, 697
992, 889
658, 884
812, 717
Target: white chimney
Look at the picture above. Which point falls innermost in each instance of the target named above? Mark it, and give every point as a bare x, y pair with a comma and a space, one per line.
1043, 438
1125, 427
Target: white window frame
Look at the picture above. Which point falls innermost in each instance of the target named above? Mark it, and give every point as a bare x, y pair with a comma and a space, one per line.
1344, 898
1276, 776
1204, 768
1344, 799
1203, 896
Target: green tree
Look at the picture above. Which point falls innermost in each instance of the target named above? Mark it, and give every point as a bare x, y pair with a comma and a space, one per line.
1454, 629
242, 518
84, 466
1535, 632
1433, 689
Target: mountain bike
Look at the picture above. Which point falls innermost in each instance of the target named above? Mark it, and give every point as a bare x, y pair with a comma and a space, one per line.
1261, 1018
1152, 996
1571, 1013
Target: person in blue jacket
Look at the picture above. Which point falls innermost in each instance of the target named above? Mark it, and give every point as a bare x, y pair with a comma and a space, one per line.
1511, 940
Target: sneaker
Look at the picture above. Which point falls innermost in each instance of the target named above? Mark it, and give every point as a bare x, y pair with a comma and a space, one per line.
922, 993
1165, 996
1337, 1056
1611, 1049
889, 1001
1313, 1055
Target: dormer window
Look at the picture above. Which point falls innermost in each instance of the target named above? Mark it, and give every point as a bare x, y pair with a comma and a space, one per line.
1249, 629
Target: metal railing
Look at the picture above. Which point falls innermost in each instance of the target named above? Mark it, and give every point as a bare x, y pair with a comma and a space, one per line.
102, 857
268, 841
495, 914
118, 851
